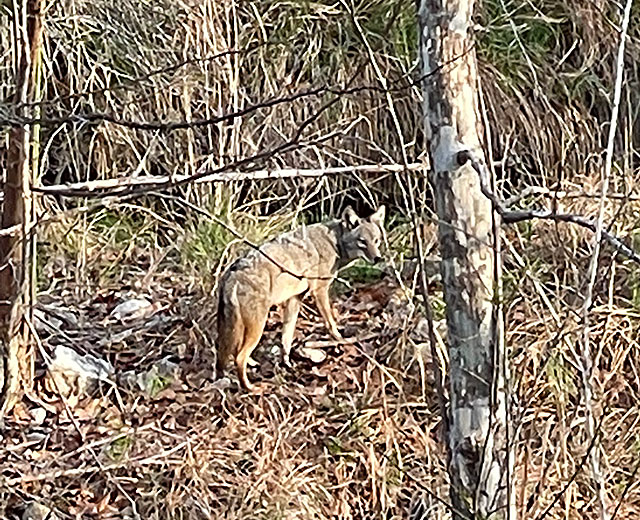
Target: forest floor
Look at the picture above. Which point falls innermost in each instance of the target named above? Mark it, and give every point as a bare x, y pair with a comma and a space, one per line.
355, 436
352, 437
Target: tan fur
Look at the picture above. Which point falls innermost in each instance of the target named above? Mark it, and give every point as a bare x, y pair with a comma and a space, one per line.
306, 259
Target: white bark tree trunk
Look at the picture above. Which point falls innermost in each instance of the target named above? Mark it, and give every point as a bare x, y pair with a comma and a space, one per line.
479, 462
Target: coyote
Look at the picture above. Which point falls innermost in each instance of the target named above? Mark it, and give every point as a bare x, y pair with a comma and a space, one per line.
278, 273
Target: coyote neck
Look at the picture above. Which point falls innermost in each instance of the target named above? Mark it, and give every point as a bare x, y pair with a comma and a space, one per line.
336, 233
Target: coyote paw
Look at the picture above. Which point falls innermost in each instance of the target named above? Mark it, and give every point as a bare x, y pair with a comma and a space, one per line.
257, 389
286, 360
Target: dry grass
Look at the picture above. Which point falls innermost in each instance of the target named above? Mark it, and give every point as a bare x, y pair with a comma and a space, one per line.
547, 266
545, 69
171, 61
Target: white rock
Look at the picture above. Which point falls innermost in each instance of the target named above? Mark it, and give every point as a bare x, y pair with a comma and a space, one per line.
38, 415
222, 383
78, 374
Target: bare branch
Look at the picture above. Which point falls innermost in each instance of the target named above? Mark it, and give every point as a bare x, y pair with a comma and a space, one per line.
514, 216
260, 175
10, 231
511, 217
81, 188
540, 191
16, 120
163, 183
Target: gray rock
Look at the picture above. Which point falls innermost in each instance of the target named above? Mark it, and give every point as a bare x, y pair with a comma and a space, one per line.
37, 511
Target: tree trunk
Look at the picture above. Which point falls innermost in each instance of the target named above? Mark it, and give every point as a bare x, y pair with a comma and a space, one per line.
16, 248
479, 460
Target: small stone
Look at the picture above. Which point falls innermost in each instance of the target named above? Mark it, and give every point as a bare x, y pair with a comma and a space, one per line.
315, 355
73, 373
165, 367
38, 415
36, 436
128, 379
37, 511
221, 384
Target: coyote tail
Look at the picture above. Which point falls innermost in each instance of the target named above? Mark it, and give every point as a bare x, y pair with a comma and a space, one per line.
230, 328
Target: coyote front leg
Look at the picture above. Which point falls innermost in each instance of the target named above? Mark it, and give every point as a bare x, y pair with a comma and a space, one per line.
289, 318
321, 295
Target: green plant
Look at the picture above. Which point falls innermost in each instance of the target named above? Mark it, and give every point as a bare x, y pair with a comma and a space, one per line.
519, 37
157, 384
438, 306
207, 239
205, 243
118, 449
560, 376
362, 272
120, 227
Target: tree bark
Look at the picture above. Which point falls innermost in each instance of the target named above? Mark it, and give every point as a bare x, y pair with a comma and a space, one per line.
16, 248
479, 460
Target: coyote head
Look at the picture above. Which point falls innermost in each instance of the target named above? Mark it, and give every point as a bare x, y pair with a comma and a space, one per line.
362, 237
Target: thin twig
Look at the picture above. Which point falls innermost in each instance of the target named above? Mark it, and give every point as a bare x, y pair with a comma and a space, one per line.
511, 217
630, 482
293, 143
15, 120
408, 199
241, 237
541, 191
573, 477
587, 362
72, 472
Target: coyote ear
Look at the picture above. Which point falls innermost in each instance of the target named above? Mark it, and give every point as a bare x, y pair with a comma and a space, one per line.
378, 216
350, 218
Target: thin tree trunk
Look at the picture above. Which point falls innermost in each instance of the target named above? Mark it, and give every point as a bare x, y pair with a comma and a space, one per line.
479, 461
16, 249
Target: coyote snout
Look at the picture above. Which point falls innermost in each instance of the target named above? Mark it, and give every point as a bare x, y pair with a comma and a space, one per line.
284, 268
